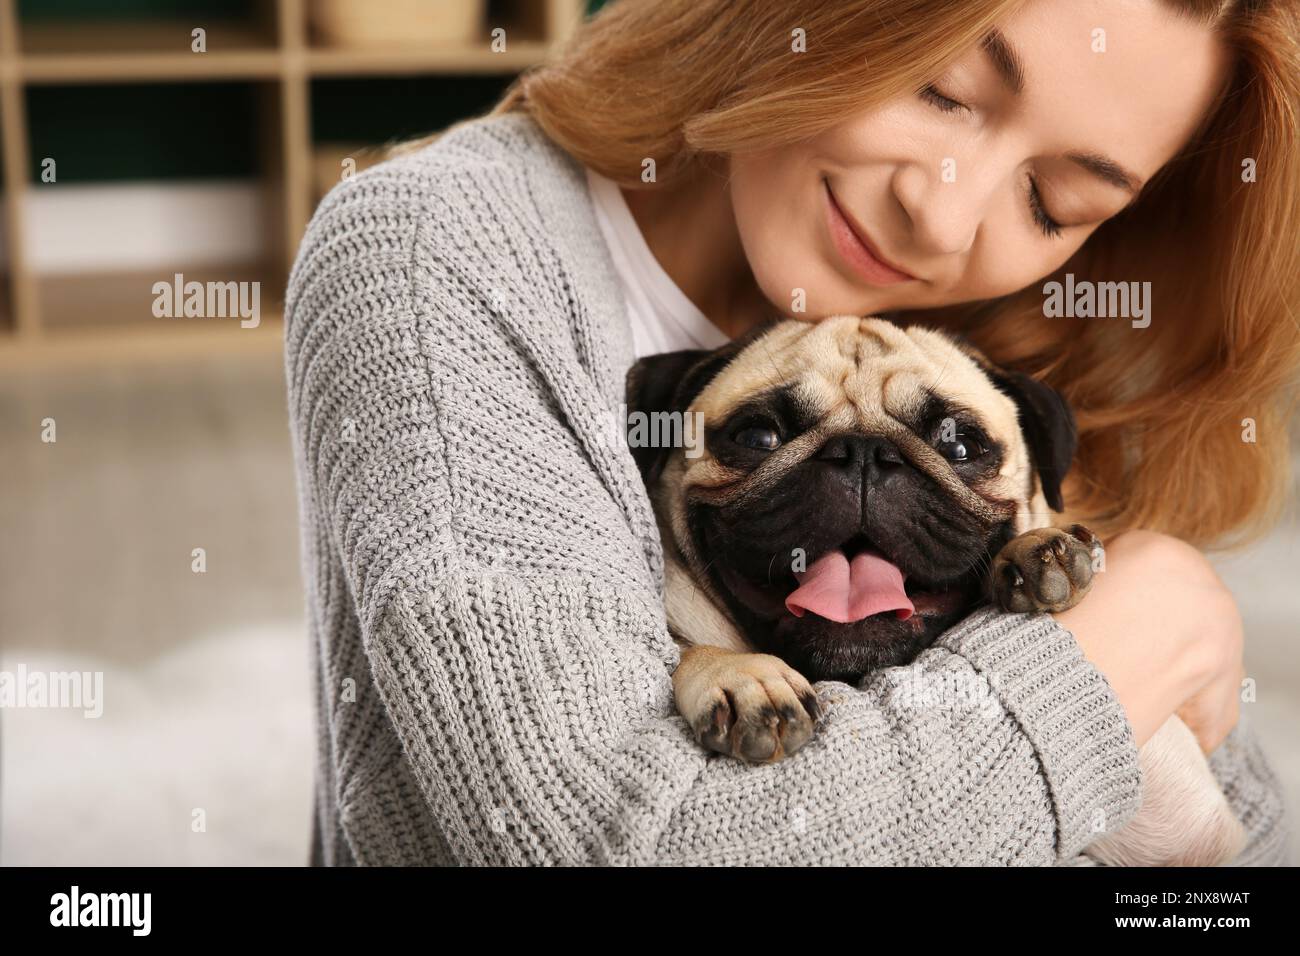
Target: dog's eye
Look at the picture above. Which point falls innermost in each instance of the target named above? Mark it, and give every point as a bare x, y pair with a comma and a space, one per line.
757, 437
964, 446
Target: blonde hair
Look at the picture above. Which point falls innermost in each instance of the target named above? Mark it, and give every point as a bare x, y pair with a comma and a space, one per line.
1161, 431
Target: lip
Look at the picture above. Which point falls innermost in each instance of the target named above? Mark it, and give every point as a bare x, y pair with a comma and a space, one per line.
854, 246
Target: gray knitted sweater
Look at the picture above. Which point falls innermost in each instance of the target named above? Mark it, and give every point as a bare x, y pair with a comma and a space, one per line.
484, 576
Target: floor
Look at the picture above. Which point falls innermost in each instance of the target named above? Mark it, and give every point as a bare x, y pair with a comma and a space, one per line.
203, 754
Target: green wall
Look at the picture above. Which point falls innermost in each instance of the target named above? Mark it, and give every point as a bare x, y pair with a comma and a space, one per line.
378, 110
174, 131
207, 130
133, 9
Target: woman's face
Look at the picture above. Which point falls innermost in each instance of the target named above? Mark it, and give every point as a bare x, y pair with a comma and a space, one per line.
993, 176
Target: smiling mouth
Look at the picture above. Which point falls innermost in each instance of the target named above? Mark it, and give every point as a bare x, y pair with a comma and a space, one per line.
855, 248
850, 585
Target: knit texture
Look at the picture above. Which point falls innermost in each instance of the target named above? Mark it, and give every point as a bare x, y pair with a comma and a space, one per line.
484, 582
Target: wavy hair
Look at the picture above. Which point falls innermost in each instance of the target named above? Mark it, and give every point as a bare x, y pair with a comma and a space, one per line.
1163, 412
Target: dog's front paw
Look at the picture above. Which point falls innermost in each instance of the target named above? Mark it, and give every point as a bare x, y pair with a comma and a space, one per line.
1046, 569
750, 706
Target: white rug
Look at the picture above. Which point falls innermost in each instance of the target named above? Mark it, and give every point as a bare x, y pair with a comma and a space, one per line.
221, 724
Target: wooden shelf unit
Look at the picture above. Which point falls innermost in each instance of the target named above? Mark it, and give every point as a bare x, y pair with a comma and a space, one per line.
275, 51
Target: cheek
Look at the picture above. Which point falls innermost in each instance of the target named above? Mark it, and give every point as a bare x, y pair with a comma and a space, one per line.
895, 132
1011, 258
779, 204
774, 198
908, 135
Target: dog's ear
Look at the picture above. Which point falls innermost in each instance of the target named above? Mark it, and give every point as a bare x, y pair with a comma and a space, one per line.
1048, 426
669, 382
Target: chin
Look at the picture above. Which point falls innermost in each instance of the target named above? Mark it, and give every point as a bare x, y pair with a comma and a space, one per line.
826, 650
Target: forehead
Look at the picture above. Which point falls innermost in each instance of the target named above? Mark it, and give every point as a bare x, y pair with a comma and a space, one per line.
1128, 78
852, 369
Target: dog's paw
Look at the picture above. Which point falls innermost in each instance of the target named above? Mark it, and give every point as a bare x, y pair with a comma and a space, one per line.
1045, 569
750, 706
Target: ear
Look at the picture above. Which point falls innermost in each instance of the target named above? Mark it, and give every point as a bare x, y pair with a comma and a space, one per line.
1048, 426
669, 382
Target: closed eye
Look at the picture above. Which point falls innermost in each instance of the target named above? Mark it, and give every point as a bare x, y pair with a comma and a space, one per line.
930, 93
1049, 226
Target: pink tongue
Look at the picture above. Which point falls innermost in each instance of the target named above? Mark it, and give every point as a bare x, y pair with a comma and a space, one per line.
844, 591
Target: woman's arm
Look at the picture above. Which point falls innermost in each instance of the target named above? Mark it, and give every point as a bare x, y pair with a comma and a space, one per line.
538, 719
510, 615
1166, 632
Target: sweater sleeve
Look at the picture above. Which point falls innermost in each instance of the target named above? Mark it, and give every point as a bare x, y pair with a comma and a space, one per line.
1255, 795
515, 634
540, 733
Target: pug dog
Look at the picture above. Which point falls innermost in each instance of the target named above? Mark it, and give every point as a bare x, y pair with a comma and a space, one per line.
858, 488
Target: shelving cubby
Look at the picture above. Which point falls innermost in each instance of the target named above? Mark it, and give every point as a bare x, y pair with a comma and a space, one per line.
265, 110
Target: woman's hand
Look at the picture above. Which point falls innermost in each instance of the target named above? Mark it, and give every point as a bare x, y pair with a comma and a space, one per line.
1167, 635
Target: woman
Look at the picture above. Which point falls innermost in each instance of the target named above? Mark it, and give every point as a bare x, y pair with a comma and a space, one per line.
484, 570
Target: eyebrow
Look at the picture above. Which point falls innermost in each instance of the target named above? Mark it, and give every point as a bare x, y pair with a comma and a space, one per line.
1105, 168
1006, 61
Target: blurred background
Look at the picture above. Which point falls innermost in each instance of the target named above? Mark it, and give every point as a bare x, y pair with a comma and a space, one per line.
134, 149
141, 139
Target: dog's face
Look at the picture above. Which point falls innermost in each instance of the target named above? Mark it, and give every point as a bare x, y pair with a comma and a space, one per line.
855, 481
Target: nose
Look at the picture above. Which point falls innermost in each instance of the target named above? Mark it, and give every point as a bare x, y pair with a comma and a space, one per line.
872, 456
944, 212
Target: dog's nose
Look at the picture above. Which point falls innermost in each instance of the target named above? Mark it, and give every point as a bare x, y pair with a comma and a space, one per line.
870, 454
